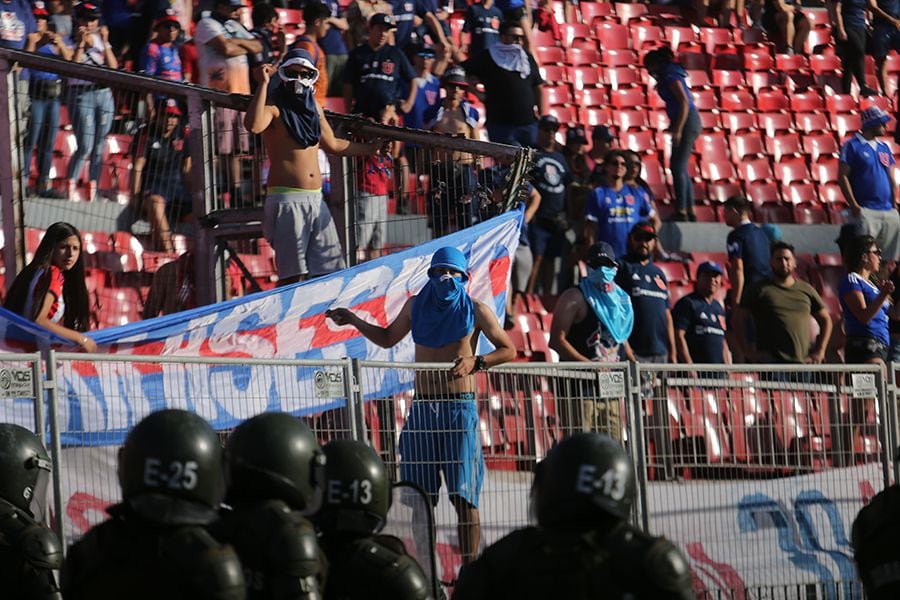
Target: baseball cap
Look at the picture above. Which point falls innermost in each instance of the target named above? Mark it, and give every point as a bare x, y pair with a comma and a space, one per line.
382, 19
167, 17
38, 9
576, 134
86, 10
232, 3
599, 255
601, 132
709, 266
169, 106
848, 233
421, 49
644, 228
873, 117
548, 122
455, 76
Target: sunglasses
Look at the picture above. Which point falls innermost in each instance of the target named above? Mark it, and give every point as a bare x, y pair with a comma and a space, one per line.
875, 251
306, 74
601, 262
516, 38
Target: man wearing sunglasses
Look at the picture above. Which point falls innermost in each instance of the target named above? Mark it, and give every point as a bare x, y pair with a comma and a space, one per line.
590, 322
297, 222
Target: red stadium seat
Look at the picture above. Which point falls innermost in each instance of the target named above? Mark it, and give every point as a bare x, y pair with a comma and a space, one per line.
705, 98
593, 116
721, 191
566, 114
551, 55
810, 214
592, 97
642, 34
791, 62
590, 10
628, 98
773, 123
694, 60
763, 192
800, 193
825, 64
630, 119
825, 171
772, 100
678, 35
628, 11
553, 74
771, 212
831, 193
787, 172
637, 140
544, 38
783, 144
763, 80
755, 60
557, 95
712, 146
618, 77
619, 58
583, 57
812, 123
746, 144
717, 170
715, 36
808, 101
612, 36
817, 38
739, 121
725, 79
738, 100
845, 124
882, 102
726, 60
819, 145
575, 31
674, 272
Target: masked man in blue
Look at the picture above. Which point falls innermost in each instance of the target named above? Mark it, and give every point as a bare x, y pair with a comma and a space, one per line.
590, 322
441, 434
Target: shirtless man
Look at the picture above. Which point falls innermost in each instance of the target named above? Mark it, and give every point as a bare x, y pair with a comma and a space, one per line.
445, 322
456, 117
297, 222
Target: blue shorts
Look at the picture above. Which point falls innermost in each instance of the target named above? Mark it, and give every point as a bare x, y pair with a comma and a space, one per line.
884, 39
442, 435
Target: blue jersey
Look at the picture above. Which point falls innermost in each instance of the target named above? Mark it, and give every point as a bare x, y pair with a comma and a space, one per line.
891, 7
703, 324
649, 292
876, 328
673, 73
551, 176
404, 14
615, 213
162, 61
854, 12
428, 95
379, 77
751, 244
483, 25
870, 165
332, 43
508, 5
49, 50
16, 22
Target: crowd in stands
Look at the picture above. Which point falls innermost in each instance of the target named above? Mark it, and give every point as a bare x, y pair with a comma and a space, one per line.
638, 114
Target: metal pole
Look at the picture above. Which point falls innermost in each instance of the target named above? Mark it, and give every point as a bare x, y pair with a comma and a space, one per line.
210, 274
10, 175
350, 216
55, 445
36, 377
352, 387
636, 431
892, 398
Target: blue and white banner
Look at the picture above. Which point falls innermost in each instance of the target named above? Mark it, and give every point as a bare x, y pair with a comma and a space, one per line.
99, 401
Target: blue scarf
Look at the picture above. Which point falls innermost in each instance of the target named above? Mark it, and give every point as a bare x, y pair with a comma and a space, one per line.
296, 102
610, 303
443, 312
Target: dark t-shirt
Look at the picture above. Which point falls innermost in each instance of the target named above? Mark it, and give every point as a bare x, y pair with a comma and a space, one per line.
551, 176
854, 13
649, 291
509, 98
404, 14
750, 243
782, 318
377, 77
704, 326
333, 42
483, 24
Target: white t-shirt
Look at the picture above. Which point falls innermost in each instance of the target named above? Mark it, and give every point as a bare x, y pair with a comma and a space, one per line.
216, 70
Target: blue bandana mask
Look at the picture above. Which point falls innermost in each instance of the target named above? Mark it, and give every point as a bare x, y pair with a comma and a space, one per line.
443, 312
610, 303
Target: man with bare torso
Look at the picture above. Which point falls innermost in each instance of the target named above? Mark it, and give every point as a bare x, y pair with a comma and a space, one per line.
297, 221
451, 206
441, 431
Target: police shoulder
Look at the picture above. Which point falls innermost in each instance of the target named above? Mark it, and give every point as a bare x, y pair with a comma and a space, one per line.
399, 577
213, 569
293, 547
36, 544
661, 564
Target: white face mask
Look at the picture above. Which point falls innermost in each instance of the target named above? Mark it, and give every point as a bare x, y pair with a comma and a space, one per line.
300, 86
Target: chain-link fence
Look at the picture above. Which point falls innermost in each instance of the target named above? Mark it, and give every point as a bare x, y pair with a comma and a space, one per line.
757, 474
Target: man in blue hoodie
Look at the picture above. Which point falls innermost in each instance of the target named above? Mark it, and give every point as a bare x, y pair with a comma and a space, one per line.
441, 430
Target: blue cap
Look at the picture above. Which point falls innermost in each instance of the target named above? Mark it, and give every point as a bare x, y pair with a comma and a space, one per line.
600, 253
709, 266
451, 258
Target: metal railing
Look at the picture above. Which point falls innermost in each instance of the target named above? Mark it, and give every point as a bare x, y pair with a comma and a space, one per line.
757, 473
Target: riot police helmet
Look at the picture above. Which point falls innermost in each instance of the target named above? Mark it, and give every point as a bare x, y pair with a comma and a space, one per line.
24, 470
357, 493
586, 478
275, 456
171, 468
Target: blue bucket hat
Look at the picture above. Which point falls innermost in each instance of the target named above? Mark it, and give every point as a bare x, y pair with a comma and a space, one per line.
449, 257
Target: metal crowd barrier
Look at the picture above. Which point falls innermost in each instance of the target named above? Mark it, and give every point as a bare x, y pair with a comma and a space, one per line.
757, 473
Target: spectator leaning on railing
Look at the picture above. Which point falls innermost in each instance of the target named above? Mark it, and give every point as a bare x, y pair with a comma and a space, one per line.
865, 303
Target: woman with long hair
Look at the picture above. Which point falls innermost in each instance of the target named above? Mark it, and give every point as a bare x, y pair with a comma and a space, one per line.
864, 304
51, 291
684, 124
